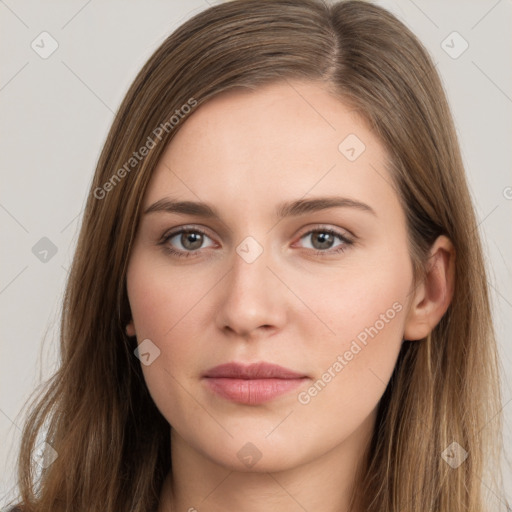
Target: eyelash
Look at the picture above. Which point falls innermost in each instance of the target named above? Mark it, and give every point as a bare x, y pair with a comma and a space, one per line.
187, 254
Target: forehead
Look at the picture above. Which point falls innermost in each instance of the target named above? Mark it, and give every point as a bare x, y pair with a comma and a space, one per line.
290, 118
282, 140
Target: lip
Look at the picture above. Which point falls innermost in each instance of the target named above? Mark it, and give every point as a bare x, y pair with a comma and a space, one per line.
262, 370
251, 384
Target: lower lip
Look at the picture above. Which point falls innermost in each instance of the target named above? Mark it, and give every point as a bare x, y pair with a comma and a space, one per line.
252, 391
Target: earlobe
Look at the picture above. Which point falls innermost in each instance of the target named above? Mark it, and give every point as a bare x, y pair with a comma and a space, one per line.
130, 328
433, 296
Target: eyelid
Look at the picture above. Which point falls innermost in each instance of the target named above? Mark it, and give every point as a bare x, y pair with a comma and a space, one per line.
180, 229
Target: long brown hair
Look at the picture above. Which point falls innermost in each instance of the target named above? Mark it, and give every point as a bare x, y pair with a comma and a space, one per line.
113, 444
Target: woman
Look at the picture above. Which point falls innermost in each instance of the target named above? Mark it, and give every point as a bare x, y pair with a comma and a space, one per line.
278, 299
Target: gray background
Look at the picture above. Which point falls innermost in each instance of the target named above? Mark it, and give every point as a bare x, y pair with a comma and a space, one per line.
56, 113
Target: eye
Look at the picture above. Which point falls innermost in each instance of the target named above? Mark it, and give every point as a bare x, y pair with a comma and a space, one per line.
322, 241
188, 240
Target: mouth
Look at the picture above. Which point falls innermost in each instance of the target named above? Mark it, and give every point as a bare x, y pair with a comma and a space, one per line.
252, 384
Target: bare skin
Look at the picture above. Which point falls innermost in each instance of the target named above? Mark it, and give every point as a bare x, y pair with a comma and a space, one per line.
286, 297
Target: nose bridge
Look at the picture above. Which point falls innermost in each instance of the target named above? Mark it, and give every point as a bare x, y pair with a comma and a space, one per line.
250, 265
250, 296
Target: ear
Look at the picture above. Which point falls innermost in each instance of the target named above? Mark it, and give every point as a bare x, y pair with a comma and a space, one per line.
433, 296
130, 328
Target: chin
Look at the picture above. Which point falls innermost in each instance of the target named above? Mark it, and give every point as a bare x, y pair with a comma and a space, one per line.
256, 456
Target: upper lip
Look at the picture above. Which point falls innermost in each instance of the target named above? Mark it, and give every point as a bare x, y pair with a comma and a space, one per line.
262, 370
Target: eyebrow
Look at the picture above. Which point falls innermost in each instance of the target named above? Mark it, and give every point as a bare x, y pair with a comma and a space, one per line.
285, 209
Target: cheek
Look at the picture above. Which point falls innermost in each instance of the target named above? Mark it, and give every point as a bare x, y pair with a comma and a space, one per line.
165, 305
365, 307
160, 296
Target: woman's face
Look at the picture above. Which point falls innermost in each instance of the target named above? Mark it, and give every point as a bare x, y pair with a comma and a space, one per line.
300, 259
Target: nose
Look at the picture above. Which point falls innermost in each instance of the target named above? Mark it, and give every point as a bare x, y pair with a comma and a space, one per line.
252, 299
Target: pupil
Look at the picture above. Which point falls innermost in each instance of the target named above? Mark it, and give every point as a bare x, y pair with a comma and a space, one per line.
189, 239
325, 240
